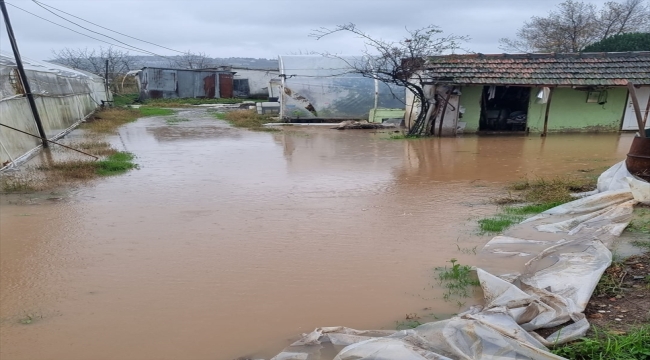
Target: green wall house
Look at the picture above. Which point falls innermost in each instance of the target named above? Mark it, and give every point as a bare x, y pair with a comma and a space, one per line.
584, 92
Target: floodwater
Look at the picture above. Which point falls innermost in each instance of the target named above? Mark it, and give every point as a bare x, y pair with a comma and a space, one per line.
228, 243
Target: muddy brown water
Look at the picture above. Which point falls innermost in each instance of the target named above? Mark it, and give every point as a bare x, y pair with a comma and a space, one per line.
228, 243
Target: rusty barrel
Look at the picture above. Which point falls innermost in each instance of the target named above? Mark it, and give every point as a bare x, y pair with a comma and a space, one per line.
638, 159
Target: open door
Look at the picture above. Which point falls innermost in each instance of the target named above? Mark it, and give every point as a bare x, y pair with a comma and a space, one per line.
629, 118
504, 108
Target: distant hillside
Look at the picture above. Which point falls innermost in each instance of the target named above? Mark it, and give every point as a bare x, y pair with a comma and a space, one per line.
252, 63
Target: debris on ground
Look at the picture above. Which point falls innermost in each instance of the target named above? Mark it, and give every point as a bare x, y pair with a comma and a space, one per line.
363, 124
622, 298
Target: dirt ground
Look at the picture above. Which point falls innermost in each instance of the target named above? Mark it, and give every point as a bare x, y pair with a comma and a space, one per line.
622, 299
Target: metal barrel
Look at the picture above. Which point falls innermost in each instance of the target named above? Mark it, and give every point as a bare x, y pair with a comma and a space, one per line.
638, 159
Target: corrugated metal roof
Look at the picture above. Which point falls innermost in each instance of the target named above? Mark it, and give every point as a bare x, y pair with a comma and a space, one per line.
580, 69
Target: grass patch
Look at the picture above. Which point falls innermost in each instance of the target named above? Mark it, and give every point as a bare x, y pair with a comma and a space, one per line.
21, 182
457, 280
404, 325
29, 318
248, 119
125, 99
634, 344
498, 223
642, 244
543, 194
641, 222
194, 101
555, 190
95, 147
403, 137
220, 116
154, 111
174, 121
109, 119
115, 164
611, 283
531, 209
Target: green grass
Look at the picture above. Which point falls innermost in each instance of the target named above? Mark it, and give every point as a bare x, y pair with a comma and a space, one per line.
532, 208
248, 119
193, 101
154, 111
553, 190
404, 325
634, 345
115, 164
457, 280
642, 244
512, 215
640, 224
174, 121
404, 137
498, 223
125, 99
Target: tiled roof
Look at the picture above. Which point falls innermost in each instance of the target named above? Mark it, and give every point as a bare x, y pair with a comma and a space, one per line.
580, 69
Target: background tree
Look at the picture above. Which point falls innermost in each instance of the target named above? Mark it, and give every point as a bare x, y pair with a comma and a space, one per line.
191, 60
94, 61
397, 62
576, 24
622, 42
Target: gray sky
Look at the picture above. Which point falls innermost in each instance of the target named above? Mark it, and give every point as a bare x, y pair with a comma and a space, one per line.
266, 29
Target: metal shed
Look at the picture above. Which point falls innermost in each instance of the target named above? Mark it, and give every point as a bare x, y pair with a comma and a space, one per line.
166, 83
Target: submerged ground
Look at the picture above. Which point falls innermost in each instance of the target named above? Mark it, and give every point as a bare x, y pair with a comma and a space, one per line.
228, 243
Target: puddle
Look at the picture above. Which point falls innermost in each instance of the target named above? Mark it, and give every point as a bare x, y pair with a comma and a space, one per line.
228, 243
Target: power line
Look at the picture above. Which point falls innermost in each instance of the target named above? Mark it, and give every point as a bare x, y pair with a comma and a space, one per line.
93, 31
105, 28
80, 33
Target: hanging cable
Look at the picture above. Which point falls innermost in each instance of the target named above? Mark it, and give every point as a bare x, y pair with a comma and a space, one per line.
86, 35
105, 28
95, 32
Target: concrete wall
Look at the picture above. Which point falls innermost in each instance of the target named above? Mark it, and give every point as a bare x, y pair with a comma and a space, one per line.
569, 111
258, 80
63, 97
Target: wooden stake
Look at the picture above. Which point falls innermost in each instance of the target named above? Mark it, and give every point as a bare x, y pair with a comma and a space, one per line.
548, 109
637, 109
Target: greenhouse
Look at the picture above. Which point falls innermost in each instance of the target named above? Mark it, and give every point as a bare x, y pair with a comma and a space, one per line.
326, 88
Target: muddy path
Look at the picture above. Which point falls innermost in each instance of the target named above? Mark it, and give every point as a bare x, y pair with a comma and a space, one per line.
229, 243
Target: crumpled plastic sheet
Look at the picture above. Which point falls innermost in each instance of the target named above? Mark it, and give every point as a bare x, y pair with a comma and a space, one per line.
565, 250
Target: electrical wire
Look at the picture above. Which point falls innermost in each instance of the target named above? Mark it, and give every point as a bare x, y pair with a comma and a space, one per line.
86, 35
105, 28
96, 32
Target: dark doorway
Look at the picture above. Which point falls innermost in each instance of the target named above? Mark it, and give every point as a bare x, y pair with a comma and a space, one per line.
504, 108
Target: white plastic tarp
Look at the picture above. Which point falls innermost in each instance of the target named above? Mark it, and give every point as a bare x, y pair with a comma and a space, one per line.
564, 253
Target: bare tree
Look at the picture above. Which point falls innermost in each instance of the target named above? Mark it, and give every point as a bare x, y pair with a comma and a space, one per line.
191, 60
94, 61
397, 62
576, 24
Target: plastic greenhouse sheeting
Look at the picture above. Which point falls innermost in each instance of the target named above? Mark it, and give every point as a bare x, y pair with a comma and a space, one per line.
326, 87
564, 251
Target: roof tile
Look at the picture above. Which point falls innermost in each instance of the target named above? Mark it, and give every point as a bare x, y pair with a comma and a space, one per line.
580, 69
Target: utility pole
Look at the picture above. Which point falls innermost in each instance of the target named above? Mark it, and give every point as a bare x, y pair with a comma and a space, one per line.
106, 80
23, 76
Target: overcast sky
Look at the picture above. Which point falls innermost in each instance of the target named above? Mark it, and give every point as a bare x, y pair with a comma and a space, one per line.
263, 28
